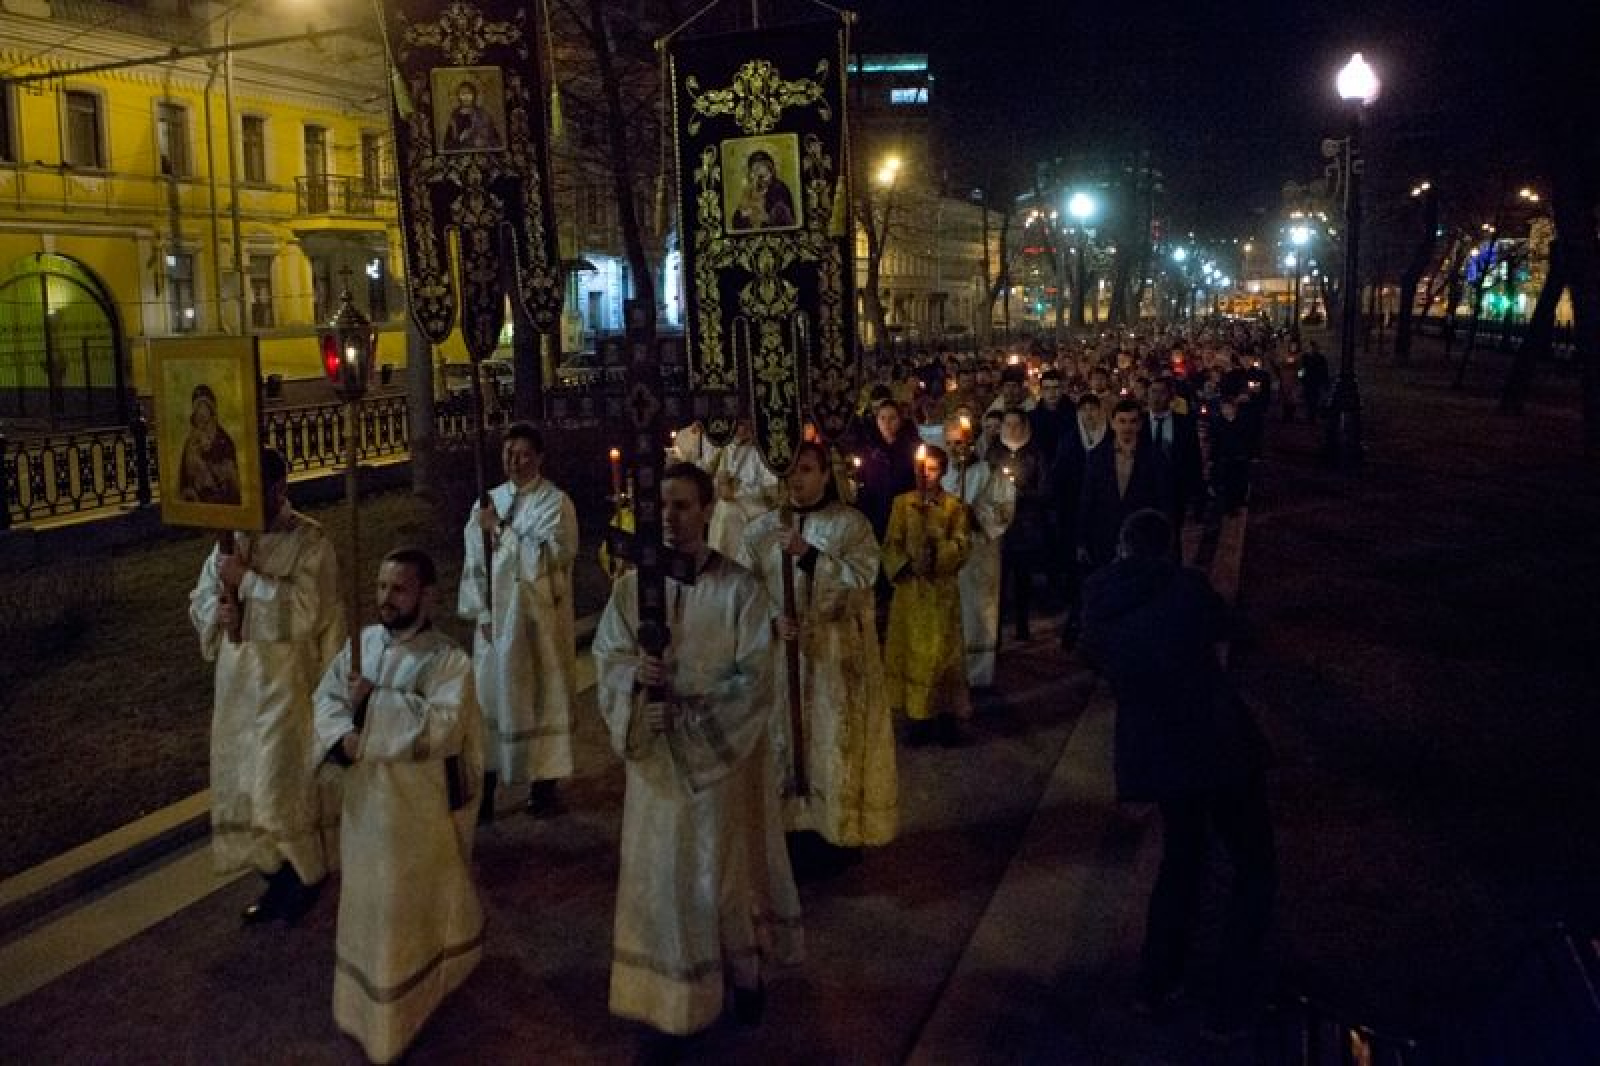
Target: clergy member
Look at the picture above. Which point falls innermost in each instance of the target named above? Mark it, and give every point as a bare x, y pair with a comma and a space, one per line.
267, 614
991, 499
846, 761
409, 733
924, 658
705, 898
525, 647
746, 490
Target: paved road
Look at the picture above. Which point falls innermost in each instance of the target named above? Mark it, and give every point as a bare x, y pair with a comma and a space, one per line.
884, 939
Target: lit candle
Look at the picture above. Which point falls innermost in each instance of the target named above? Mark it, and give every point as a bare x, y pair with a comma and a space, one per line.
616, 473
922, 470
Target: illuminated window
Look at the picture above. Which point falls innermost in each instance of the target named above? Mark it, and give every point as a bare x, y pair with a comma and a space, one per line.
180, 292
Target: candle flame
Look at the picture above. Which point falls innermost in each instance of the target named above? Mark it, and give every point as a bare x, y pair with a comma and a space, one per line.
922, 452
616, 455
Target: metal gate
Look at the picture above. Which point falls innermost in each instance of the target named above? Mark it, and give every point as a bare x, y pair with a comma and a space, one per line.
60, 347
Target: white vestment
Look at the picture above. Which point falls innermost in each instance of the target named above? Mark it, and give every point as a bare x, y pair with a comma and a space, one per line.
266, 805
705, 896
756, 491
849, 732
526, 672
993, 499
410, 923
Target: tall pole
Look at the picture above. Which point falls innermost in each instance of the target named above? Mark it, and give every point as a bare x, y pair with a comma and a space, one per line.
1343, 443
233, 176
1294, 325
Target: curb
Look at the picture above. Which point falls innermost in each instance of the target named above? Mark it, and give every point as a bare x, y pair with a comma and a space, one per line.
58, 883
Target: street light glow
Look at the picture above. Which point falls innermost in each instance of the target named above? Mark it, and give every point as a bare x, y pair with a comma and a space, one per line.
1081, 206
1179, 254
1299, 235
888, 170
1357, 81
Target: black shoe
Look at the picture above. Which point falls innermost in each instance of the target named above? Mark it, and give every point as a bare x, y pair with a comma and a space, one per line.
919, 733
544, 801
486, 801
299, 899
268, 906
953, 732
749, 1004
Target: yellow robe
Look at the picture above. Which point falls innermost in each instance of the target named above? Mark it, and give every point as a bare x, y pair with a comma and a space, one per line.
924, 660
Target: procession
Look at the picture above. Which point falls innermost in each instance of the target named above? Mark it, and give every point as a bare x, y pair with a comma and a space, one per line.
765, 532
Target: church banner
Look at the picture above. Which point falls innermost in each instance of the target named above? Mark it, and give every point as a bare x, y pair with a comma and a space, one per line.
473, 156
758, 123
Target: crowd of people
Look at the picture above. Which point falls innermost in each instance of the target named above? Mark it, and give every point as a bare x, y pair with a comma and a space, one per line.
806, 616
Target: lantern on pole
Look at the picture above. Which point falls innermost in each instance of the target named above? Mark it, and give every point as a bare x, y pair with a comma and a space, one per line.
349, 347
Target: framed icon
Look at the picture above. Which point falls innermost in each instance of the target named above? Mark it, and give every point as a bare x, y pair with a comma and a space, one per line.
760, 178
208, 431
469, 109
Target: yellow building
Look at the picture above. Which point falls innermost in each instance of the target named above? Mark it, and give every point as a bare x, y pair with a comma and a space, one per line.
122, 220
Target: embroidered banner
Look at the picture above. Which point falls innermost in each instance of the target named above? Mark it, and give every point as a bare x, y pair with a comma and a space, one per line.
758, 125
473, 156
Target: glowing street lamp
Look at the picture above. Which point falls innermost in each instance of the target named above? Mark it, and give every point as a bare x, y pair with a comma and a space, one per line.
888, 171
1298, 236
1358, 86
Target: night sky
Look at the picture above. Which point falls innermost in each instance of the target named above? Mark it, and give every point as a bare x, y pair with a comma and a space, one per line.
1231, 99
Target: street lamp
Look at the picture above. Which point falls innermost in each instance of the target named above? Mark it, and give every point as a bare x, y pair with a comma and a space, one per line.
349, 351
1298, 236
1358, 86
1082, 207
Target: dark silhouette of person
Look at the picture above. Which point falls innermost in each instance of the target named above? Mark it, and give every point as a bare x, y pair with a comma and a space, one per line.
767, 202
471, 128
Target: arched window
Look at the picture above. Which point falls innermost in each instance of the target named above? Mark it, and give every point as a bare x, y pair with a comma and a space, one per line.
60, 346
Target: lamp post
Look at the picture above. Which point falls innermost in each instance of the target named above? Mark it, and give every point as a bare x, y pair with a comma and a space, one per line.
349, 350
1298, 236
1358, 86
1082, 207
1180, 256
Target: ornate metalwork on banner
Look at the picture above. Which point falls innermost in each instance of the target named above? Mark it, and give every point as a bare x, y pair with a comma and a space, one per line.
473, 157
763, 174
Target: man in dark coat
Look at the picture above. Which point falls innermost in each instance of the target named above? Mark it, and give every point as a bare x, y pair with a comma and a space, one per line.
1184, 741
1118, 480
1177, 438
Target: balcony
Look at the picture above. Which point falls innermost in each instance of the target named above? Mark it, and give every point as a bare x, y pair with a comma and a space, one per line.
335, 195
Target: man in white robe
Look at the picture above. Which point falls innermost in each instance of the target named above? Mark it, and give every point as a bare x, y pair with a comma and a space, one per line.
705, 896
992, 497
408, 732
746, 490
851, 797
267, 613
525, 649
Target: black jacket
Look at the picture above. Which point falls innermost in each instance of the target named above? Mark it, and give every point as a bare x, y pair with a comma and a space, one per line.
1150, 626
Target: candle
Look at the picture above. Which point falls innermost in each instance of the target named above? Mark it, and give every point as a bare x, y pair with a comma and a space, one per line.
616, 473
922, 470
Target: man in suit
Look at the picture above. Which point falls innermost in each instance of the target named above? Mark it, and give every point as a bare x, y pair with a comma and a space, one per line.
1128, 476
1177, 438
1085, 436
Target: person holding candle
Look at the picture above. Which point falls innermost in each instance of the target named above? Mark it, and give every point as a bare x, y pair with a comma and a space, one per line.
928, 540
992, 501
525, 649
746, 490
846, 760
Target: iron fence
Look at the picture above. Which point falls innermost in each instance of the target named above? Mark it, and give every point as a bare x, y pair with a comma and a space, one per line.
56, 475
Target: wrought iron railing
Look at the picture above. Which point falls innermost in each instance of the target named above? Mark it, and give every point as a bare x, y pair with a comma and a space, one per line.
332, 194
58, 475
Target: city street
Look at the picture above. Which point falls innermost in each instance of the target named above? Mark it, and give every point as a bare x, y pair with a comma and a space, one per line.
1419, 654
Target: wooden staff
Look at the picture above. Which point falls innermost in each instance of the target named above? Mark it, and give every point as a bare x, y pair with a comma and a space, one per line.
480, 462
791, 654
235, 631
